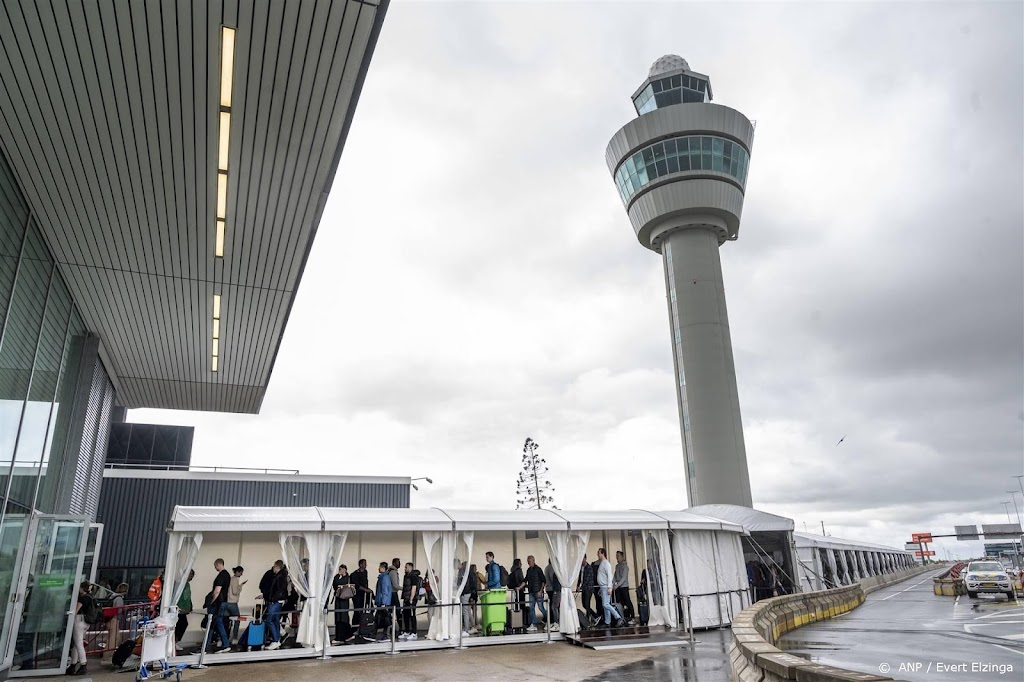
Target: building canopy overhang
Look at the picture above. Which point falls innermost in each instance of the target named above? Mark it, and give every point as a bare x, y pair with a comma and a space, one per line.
111, 117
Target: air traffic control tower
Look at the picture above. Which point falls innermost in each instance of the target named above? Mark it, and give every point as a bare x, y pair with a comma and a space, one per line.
681, 170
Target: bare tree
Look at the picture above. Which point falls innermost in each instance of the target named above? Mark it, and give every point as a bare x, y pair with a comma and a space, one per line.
533, 490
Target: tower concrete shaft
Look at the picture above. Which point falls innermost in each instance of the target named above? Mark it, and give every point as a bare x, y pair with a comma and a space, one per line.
681, 170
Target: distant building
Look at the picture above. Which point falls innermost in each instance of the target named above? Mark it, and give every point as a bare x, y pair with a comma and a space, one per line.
136, 505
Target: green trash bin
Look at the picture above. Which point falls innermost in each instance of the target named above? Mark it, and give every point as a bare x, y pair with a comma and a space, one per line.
493, 611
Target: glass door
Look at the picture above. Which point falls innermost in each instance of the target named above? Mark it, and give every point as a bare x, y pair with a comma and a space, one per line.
12, 538
50, 575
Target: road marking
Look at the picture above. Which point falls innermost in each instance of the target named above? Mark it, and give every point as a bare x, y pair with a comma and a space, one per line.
906, 590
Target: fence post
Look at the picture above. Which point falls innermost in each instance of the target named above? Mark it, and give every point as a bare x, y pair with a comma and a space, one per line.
206, 640
327, 635
394, 623
547, 618
689, 619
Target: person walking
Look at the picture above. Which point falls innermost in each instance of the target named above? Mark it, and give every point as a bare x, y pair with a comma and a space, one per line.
82, 607
394, 573
361, 581
411, 584
517, 585
535, 586
231, 605
383, 600
344, 591
554, 589
493, 572
184, 608
586, 585
274, 588
218, 599
621, 584
605, 584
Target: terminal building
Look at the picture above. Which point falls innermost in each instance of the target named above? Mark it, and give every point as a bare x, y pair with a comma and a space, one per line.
163, 172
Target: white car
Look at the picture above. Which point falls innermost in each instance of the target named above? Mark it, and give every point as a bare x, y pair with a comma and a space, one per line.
987, 576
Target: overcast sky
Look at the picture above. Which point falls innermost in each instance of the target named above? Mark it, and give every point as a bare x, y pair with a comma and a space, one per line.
475, 279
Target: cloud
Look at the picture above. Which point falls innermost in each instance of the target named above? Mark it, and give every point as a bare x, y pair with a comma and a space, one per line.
475, 279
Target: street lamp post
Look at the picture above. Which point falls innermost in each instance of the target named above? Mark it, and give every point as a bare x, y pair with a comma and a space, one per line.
1013, 496
420, 478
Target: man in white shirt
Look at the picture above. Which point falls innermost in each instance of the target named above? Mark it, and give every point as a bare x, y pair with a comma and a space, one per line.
604, 586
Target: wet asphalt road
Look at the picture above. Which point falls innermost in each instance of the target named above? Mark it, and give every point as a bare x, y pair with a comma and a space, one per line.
905, 631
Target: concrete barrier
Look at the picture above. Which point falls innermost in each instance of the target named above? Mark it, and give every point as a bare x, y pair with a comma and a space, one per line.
756, 630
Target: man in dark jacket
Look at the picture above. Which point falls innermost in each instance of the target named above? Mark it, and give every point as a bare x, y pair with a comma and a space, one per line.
394, 572
517, 585
535, 585
586, 585
274, 587
411, 584
361, 580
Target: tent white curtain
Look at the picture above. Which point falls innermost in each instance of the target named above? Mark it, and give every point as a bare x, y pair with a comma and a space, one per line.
830, 557
658, 564
693, 552
844, 570
445, 552
732, 573
332, 544
182, 551
565, 550
433, 548
852, 560
184, 560
296, 546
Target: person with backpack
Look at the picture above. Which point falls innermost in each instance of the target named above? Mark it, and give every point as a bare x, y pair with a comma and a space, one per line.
493, 572
83, 607
274, 587
411, 585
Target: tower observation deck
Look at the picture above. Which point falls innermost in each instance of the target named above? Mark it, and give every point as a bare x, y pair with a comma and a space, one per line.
681, 171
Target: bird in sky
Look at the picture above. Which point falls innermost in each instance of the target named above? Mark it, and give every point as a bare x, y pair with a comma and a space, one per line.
841, 440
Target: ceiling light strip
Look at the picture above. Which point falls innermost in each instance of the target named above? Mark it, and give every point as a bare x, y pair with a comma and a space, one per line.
227, 66
215, 355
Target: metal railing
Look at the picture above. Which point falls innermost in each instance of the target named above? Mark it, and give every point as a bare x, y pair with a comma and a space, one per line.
118, 625
196, 467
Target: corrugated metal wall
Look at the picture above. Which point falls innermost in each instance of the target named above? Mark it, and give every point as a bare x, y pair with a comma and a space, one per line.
88, 476
135, 511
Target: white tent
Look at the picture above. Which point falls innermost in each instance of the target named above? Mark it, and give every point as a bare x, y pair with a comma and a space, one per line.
862, 559
683, 554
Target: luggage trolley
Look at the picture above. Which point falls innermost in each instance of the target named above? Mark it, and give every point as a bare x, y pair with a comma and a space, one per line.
156, 636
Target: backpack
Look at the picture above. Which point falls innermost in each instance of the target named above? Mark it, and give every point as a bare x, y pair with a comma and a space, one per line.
502, 576
93, 614
123, 651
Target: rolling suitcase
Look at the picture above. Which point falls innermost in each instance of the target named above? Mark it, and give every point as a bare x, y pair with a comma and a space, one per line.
256, 633
644, 615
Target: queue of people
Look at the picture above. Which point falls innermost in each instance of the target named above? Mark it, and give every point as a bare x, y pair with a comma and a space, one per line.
364, 613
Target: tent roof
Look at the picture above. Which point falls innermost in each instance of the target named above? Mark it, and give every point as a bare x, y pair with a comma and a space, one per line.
188, 519
685, 520
497, 519
751, 519
387, 519
812, 540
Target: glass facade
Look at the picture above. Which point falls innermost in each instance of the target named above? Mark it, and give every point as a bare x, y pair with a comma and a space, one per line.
684, 154
39, 331
678, 89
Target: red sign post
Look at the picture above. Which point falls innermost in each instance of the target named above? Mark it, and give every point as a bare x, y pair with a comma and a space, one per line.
924, 553
921, 537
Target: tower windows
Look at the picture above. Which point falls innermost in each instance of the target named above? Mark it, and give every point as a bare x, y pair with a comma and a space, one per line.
680, 155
